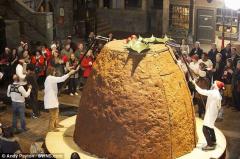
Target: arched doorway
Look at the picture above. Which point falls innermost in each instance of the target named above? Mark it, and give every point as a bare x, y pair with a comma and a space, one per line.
3, 42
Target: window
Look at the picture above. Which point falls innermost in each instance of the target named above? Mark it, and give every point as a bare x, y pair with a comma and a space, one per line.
227, 22
106, 3
157, 4
133, 3
179, 17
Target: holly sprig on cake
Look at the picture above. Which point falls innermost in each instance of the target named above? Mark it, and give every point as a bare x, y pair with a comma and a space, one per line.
140, 44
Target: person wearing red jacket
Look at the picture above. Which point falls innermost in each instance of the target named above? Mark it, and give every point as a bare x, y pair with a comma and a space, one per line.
39, 63
47, 54
86, 65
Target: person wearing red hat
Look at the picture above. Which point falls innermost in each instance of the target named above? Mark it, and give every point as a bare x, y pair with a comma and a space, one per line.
213, 106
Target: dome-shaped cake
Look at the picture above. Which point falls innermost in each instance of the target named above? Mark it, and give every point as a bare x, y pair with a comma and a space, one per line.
136, 106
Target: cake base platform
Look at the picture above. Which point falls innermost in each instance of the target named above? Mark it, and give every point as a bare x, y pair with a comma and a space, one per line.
61, 143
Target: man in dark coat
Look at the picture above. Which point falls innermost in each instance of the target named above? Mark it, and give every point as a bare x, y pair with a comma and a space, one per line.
226, 53
212, 53
196, 50
218, 68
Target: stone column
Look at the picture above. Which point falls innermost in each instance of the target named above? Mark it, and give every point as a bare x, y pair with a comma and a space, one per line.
118, 4
114, 3
165, 17
121, 4
144, 4
100, 4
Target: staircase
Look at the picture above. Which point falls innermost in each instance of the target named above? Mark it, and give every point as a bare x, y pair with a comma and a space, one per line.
3, 8
33, 26
33, 4
103, 26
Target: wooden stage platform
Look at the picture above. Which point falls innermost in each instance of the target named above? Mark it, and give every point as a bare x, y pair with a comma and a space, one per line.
64, 99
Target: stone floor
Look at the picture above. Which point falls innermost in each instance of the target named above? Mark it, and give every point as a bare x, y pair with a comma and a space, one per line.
37, 127
230, 127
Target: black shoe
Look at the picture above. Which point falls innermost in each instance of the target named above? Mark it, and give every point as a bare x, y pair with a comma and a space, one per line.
16, 130
208, 148
25, 129
219, 120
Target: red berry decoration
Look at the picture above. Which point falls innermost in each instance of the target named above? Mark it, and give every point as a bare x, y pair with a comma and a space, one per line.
133, 36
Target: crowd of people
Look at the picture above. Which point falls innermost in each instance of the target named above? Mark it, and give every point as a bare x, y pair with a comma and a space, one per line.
213, 77
212, 65
62, 57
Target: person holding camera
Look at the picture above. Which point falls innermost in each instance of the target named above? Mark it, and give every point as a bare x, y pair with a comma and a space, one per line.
18, 94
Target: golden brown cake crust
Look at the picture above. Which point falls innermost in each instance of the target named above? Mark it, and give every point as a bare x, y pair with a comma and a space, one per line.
136, 106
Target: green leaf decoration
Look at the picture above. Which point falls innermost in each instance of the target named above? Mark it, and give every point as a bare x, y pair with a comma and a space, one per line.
164, 40
130, 44
142, 44
140, 38
152, 39
139, 46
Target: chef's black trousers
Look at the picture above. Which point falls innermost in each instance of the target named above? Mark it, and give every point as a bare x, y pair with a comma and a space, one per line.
209, 134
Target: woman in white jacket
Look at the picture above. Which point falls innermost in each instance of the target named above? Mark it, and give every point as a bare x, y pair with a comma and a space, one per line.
213, 106
50, 96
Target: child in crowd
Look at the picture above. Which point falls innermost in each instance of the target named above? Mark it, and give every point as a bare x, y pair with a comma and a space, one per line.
73, 64
86, 65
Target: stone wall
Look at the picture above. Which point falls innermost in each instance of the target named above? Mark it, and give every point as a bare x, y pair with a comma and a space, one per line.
213, 4
126, 20
138, 21
66, 28
12, 33
37, 26
156, 22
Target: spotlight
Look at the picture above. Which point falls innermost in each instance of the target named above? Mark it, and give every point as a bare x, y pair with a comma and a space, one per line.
232, 4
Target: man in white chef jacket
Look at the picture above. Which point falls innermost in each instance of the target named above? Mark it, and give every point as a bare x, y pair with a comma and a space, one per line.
21, 71
213, 106
50, 96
